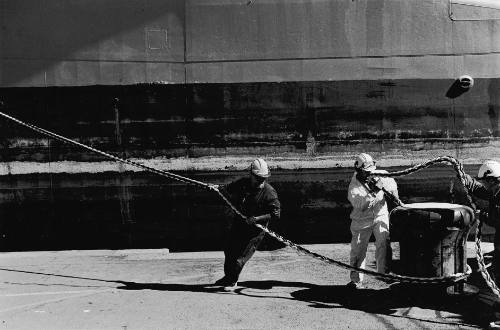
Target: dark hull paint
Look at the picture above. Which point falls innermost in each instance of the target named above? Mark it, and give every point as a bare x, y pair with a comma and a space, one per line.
292, 118
52, 212
67, 206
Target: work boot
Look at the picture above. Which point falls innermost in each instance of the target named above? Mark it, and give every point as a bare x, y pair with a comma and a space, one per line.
494, 325
231, 286
354, 285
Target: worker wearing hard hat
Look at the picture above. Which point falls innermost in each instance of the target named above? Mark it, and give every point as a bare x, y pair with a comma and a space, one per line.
258, 201
369, 216
487, 188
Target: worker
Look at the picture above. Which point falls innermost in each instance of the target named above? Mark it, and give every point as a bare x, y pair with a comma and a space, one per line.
487, 188
258, 201
369, 215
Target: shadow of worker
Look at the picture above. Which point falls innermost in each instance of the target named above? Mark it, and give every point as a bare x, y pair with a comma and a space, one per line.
262, 287
426, 303
125, 285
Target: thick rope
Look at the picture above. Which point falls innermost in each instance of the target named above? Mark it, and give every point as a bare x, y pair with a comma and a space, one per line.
395, 277
457, 166
461, 175
118, 159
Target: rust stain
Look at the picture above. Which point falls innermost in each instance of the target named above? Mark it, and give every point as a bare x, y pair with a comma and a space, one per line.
124, 178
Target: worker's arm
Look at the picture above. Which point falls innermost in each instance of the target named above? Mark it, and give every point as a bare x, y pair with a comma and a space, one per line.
391, 186
492, 217
261, 219
272, 205
215, 187
378, 198
476, 188
361, 198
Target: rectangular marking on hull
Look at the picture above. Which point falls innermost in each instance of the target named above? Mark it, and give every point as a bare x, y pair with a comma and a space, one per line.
157, 39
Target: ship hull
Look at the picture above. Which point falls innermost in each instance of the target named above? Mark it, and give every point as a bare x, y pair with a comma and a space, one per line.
202, 87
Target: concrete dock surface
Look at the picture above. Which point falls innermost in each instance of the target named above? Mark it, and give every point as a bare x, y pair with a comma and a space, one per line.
155, 289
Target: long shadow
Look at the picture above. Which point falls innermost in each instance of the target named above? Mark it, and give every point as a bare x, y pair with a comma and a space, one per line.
389, 301
127, 285
395, 301
398, 300
169, 287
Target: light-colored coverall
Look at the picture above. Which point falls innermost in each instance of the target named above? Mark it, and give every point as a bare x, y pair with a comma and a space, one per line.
369, 215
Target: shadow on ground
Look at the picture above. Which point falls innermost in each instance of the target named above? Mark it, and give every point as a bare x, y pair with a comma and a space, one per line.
398, 300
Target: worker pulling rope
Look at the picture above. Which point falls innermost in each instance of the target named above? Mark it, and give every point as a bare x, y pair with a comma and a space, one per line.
408, 279
461, 175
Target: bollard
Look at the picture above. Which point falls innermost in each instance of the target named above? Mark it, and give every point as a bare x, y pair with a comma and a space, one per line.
432, 239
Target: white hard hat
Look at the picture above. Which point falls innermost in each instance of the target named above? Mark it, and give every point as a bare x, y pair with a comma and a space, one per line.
365, 162
490, 168
259, 168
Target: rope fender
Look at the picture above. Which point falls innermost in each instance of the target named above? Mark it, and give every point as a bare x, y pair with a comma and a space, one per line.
395, 277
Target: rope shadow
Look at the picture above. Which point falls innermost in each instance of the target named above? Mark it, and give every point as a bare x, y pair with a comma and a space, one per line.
383, 301
123, 285
389, 301
207, 288
397, 301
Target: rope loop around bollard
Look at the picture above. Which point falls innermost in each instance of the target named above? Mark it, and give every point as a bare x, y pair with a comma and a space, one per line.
458, 167
395, 277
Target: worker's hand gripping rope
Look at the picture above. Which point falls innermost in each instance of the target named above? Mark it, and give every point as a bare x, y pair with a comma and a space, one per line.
213, 187
251, 220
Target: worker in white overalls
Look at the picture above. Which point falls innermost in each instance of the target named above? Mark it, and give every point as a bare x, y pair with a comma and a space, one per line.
369, 215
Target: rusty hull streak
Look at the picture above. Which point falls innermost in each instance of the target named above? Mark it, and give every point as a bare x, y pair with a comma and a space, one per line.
398, 157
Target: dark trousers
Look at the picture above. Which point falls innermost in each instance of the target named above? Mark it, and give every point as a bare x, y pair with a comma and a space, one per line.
242, 242
496, 262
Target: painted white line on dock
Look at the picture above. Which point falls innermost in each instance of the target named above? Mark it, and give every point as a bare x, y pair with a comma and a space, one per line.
49, 293
39, 303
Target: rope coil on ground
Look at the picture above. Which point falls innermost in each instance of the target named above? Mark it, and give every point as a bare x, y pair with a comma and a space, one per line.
407, 279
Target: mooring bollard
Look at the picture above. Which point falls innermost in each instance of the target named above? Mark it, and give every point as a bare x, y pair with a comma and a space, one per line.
432, 239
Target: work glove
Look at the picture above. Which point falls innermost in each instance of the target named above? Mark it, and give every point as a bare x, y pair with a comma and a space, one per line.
482, 216
379, 183
214, 187
375, 184
377, 198
251, 221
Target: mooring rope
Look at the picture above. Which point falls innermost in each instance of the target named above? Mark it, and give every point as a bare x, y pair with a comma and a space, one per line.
461, 175
394, 277
118, 159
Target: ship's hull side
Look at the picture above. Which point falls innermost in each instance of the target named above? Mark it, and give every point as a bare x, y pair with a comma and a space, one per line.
201, 87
